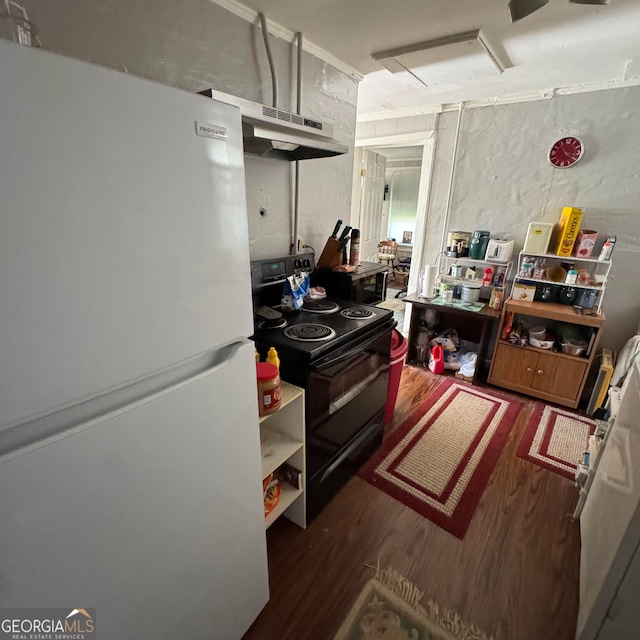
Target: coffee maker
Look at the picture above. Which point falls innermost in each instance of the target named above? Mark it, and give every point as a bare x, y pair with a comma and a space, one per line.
458, 244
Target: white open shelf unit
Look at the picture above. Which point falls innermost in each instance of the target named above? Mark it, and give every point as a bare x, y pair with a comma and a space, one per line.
602, 269
282, 439
444, 266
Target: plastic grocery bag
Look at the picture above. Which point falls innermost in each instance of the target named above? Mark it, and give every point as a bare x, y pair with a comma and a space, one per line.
296, 287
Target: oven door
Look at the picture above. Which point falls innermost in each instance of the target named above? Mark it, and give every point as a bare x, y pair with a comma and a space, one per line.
346, 394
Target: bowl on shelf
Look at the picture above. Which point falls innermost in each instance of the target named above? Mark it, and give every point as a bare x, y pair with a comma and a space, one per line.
557, 274
539, 337
542, 344
573, 346
538, 333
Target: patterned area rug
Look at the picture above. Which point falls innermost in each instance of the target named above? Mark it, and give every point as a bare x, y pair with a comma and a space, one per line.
556, 439
388, 608
392, 305
439, 461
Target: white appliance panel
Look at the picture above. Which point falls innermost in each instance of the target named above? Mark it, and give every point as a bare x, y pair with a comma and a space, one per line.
622, 621
610, 520
129, 514
123, 234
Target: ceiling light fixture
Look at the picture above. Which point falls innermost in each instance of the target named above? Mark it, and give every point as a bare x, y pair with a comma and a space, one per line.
391, 57
601, 2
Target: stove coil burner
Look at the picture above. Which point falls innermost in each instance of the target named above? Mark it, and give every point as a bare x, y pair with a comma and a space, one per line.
321, 306
356, 313
275, 324
309, 332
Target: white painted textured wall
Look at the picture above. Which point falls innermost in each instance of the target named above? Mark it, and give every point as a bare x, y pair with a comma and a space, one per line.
196, 44
503, 180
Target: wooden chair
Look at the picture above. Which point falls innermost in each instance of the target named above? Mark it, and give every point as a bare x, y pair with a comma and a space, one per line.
387, 250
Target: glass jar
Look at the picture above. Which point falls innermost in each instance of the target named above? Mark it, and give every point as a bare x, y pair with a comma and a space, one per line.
584, 278
268, 388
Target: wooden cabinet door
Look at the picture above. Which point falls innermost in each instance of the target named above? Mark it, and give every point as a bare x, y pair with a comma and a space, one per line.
514, 365
559, 376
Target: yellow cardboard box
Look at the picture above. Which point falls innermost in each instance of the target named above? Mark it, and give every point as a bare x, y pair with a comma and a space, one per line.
568, 228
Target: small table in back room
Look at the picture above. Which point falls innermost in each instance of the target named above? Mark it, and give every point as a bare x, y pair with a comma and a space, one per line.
474, 326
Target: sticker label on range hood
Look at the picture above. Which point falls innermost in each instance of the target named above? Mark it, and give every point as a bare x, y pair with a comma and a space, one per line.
208, 130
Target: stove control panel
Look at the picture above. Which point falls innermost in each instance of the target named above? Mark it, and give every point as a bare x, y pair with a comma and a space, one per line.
276, 270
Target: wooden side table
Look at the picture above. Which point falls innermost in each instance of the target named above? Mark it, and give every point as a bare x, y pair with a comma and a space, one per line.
475, 326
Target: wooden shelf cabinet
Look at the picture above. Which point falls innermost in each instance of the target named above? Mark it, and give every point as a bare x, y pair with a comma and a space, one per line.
556, 377
282, 439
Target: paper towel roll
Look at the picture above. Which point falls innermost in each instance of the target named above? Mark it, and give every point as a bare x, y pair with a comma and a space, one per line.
428, 281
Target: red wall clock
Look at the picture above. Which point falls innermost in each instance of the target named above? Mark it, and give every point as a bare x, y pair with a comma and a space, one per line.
564, 153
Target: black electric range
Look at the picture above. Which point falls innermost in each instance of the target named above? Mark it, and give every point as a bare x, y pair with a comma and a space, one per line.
339, 353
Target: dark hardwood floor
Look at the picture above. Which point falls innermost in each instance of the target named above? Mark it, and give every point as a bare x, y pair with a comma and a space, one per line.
515, 574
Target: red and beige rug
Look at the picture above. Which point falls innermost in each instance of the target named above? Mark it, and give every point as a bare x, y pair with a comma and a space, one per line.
555, 439
439, 461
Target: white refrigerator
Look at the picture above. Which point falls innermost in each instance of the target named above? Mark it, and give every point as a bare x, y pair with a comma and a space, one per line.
610, 530
129, 438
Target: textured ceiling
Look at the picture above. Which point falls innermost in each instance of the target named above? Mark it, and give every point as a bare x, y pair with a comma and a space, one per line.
561, 45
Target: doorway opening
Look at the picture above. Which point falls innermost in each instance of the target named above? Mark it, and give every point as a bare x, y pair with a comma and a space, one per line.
391, 185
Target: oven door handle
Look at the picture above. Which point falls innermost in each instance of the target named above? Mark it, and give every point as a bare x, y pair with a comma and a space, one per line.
346, 452
362, 346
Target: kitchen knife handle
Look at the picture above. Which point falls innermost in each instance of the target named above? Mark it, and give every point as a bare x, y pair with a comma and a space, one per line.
337, 227
345, 232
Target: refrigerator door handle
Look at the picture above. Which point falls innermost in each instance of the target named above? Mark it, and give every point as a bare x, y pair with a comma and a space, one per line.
42, 430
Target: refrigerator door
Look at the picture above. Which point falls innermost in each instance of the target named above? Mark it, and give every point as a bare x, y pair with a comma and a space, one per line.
123, 234
610, 520
152, 513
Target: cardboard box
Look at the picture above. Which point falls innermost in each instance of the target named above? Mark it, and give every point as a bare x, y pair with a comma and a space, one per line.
568, 228
523, 292
585, 243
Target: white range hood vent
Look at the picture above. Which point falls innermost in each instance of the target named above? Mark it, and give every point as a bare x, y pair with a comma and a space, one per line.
274, 133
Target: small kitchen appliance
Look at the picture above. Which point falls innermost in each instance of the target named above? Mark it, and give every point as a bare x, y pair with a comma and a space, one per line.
499, 250
479, 242
458, 243
366, 284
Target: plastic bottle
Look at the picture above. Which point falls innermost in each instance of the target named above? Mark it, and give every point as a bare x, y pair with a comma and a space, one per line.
268, 388
354, 253
607, 249
272, 358
572, 276
436, 359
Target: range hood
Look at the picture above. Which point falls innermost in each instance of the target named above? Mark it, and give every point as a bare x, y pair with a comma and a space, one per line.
274, 133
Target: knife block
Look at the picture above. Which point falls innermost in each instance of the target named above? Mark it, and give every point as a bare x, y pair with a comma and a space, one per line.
331, 255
